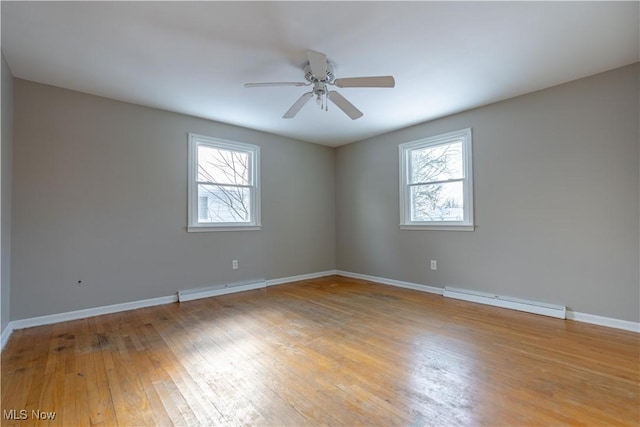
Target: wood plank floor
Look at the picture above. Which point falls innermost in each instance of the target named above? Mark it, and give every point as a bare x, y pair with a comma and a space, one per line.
331, 351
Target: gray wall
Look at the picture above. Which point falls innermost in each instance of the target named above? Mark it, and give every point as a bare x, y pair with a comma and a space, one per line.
100, 195
5, 181
556, 201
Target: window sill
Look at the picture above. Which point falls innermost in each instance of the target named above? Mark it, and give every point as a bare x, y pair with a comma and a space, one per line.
204, 229
438, 227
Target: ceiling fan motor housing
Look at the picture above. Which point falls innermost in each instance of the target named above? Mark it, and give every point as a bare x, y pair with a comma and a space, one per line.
308, 75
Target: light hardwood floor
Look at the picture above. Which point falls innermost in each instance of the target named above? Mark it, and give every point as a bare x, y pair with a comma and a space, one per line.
331, 351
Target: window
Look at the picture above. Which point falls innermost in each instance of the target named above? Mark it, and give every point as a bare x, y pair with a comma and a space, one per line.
224, 185
436, 183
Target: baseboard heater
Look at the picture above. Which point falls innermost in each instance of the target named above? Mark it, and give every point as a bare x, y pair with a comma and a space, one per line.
193, 294
535, 307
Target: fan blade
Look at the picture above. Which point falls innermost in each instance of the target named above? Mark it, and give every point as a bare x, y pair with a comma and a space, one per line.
297, 106
318, 64
342, 103
376, 81
275, 84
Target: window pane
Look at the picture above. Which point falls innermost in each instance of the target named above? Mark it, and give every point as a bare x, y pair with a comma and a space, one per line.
203, 208
437, 202
223, 166
437, 163
223, 204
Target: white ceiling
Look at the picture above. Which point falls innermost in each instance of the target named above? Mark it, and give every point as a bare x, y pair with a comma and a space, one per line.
194, 57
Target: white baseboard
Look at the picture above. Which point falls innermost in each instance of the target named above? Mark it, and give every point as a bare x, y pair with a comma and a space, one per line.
96, 311
283, 280
81, 314
558, 311
604, 321
8, 330
193, 294
227, 289
90, 312
392, 282
570, 315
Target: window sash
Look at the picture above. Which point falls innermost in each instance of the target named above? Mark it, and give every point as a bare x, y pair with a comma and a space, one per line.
240, 213
446, 181
205, 169
435, 209
410, 162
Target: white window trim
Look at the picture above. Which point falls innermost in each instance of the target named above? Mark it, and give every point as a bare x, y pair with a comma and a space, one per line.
192, 202
405, 211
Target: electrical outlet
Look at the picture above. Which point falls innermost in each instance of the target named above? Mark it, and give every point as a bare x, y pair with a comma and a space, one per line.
234, 264
434, 264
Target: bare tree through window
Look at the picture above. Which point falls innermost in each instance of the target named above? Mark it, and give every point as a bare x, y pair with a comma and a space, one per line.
224, 185
436, 193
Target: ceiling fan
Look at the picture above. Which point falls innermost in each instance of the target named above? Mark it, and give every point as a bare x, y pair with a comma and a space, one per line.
319, 73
